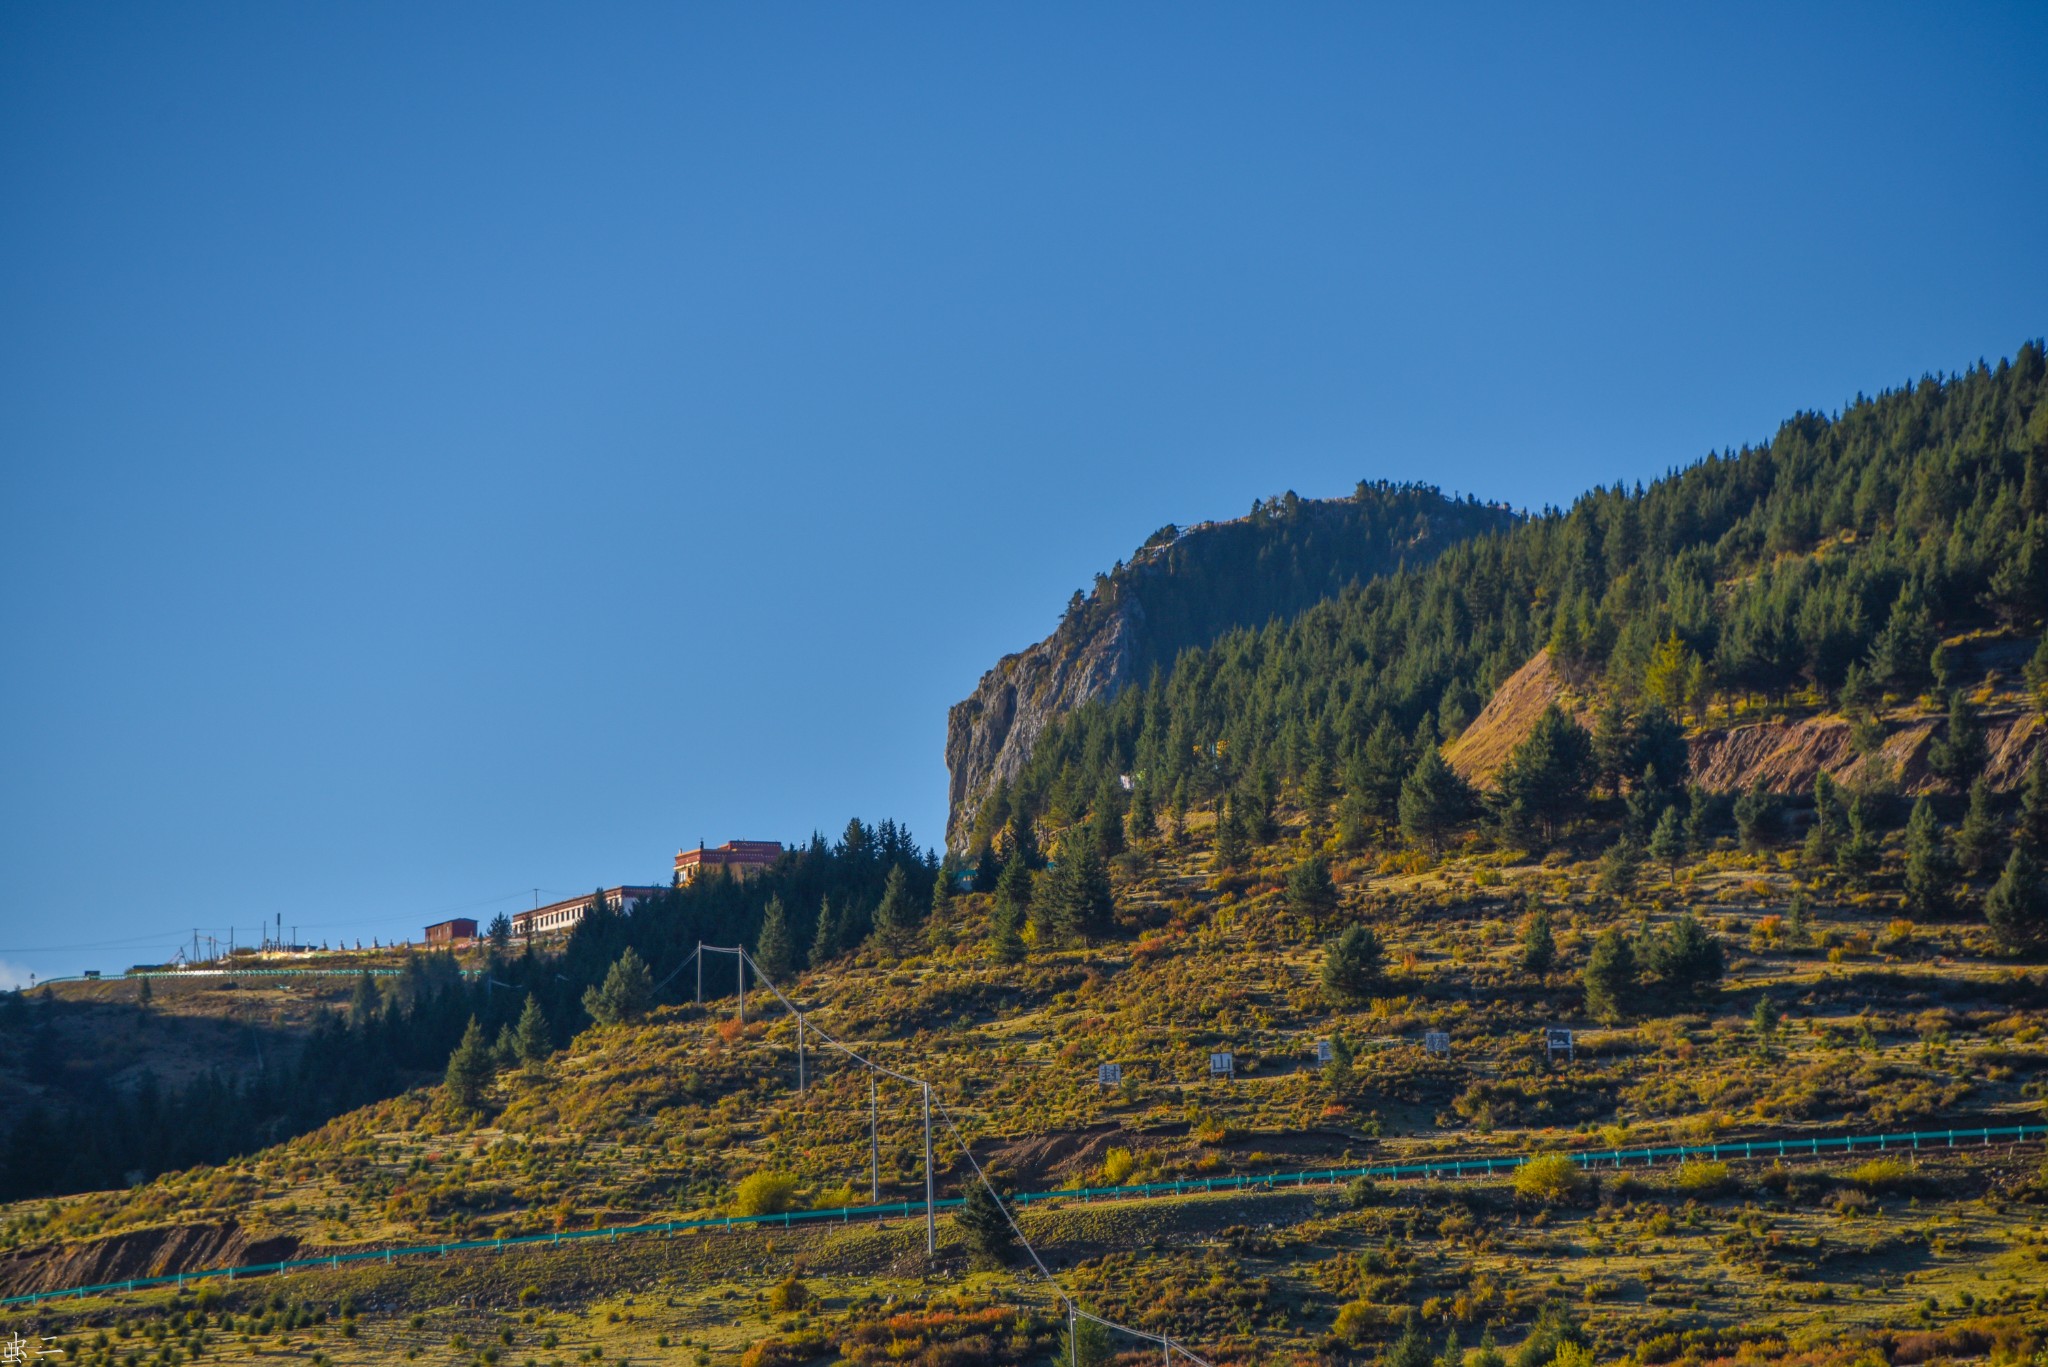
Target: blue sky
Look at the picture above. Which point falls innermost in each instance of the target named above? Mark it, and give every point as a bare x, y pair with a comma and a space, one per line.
452, 450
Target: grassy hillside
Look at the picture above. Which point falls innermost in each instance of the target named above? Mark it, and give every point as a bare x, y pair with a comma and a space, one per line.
1881, 1023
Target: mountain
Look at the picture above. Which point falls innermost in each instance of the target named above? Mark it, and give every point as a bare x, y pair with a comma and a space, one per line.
1867, 566
1182, 589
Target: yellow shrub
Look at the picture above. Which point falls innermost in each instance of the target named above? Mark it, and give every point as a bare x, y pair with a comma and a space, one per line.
764, 1193
1356, 1320
1701, 1176
788, 1294
1549, 1177
1117, 1167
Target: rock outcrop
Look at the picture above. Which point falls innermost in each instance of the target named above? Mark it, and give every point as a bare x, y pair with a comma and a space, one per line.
140, 1253
1784, 754
1182, 590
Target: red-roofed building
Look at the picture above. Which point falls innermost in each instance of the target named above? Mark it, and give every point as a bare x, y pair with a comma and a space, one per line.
734, 856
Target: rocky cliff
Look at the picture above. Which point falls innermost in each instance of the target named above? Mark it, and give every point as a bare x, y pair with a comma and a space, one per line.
1182, 589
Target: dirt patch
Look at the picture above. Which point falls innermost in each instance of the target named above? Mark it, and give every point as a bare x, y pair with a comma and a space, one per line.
1047, 1159
143, 1253
1786, 755
1510, 715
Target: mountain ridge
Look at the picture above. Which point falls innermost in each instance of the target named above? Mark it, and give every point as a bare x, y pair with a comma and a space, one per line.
1182, 589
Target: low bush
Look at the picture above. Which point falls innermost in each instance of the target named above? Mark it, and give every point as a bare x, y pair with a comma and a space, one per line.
764, 1193
1702, 1177
1549, 1178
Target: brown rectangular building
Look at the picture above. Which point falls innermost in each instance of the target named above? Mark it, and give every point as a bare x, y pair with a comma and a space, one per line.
734, 856
448, 932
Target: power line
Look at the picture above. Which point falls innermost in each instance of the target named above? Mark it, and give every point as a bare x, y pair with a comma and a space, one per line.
1168, 1344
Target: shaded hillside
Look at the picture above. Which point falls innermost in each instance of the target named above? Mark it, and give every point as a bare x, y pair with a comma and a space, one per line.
1182, 589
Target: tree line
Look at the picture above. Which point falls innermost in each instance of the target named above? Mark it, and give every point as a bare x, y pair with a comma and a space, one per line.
85, 1132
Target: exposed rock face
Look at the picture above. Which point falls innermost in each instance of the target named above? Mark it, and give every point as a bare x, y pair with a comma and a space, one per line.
1785, 755
990, 735
1182, 590
142, 1253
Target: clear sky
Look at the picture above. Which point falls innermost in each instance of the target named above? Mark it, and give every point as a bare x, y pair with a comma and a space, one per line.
447, 451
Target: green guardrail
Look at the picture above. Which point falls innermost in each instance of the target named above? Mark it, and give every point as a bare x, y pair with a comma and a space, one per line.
174, 974
1812, 1146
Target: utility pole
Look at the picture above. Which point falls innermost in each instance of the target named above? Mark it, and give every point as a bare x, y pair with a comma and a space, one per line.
931, 1225
799, 1054
741, 959
700, 972
874, 1139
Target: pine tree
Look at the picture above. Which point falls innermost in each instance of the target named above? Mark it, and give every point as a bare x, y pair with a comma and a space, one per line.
2033, 823
1144, 822
1797, 918
533, 1041
1374, 783
1005, 945
1613, 746
2015, 908
1315, 788
1610, 977
895, 920
774, 949
1106, 817
1231, 847
1858, 856
1539, 947
1824, 836
469, 1071
500, 932
1699, 815
1756, 815
1667, 842
626, 993
1977, 838
1959, 755
1311, 895
825, 940
1351, 966
2036, 675
1546, 777
1764, 1020
1620, 868
990, 1239
505, 1051
1687, 958
1930, 871
1435, 800
367, 1002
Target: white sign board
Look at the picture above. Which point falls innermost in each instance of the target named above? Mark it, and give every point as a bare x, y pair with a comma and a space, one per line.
1222, 1065
1324, 1053
1109, 1074
1437, 1042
